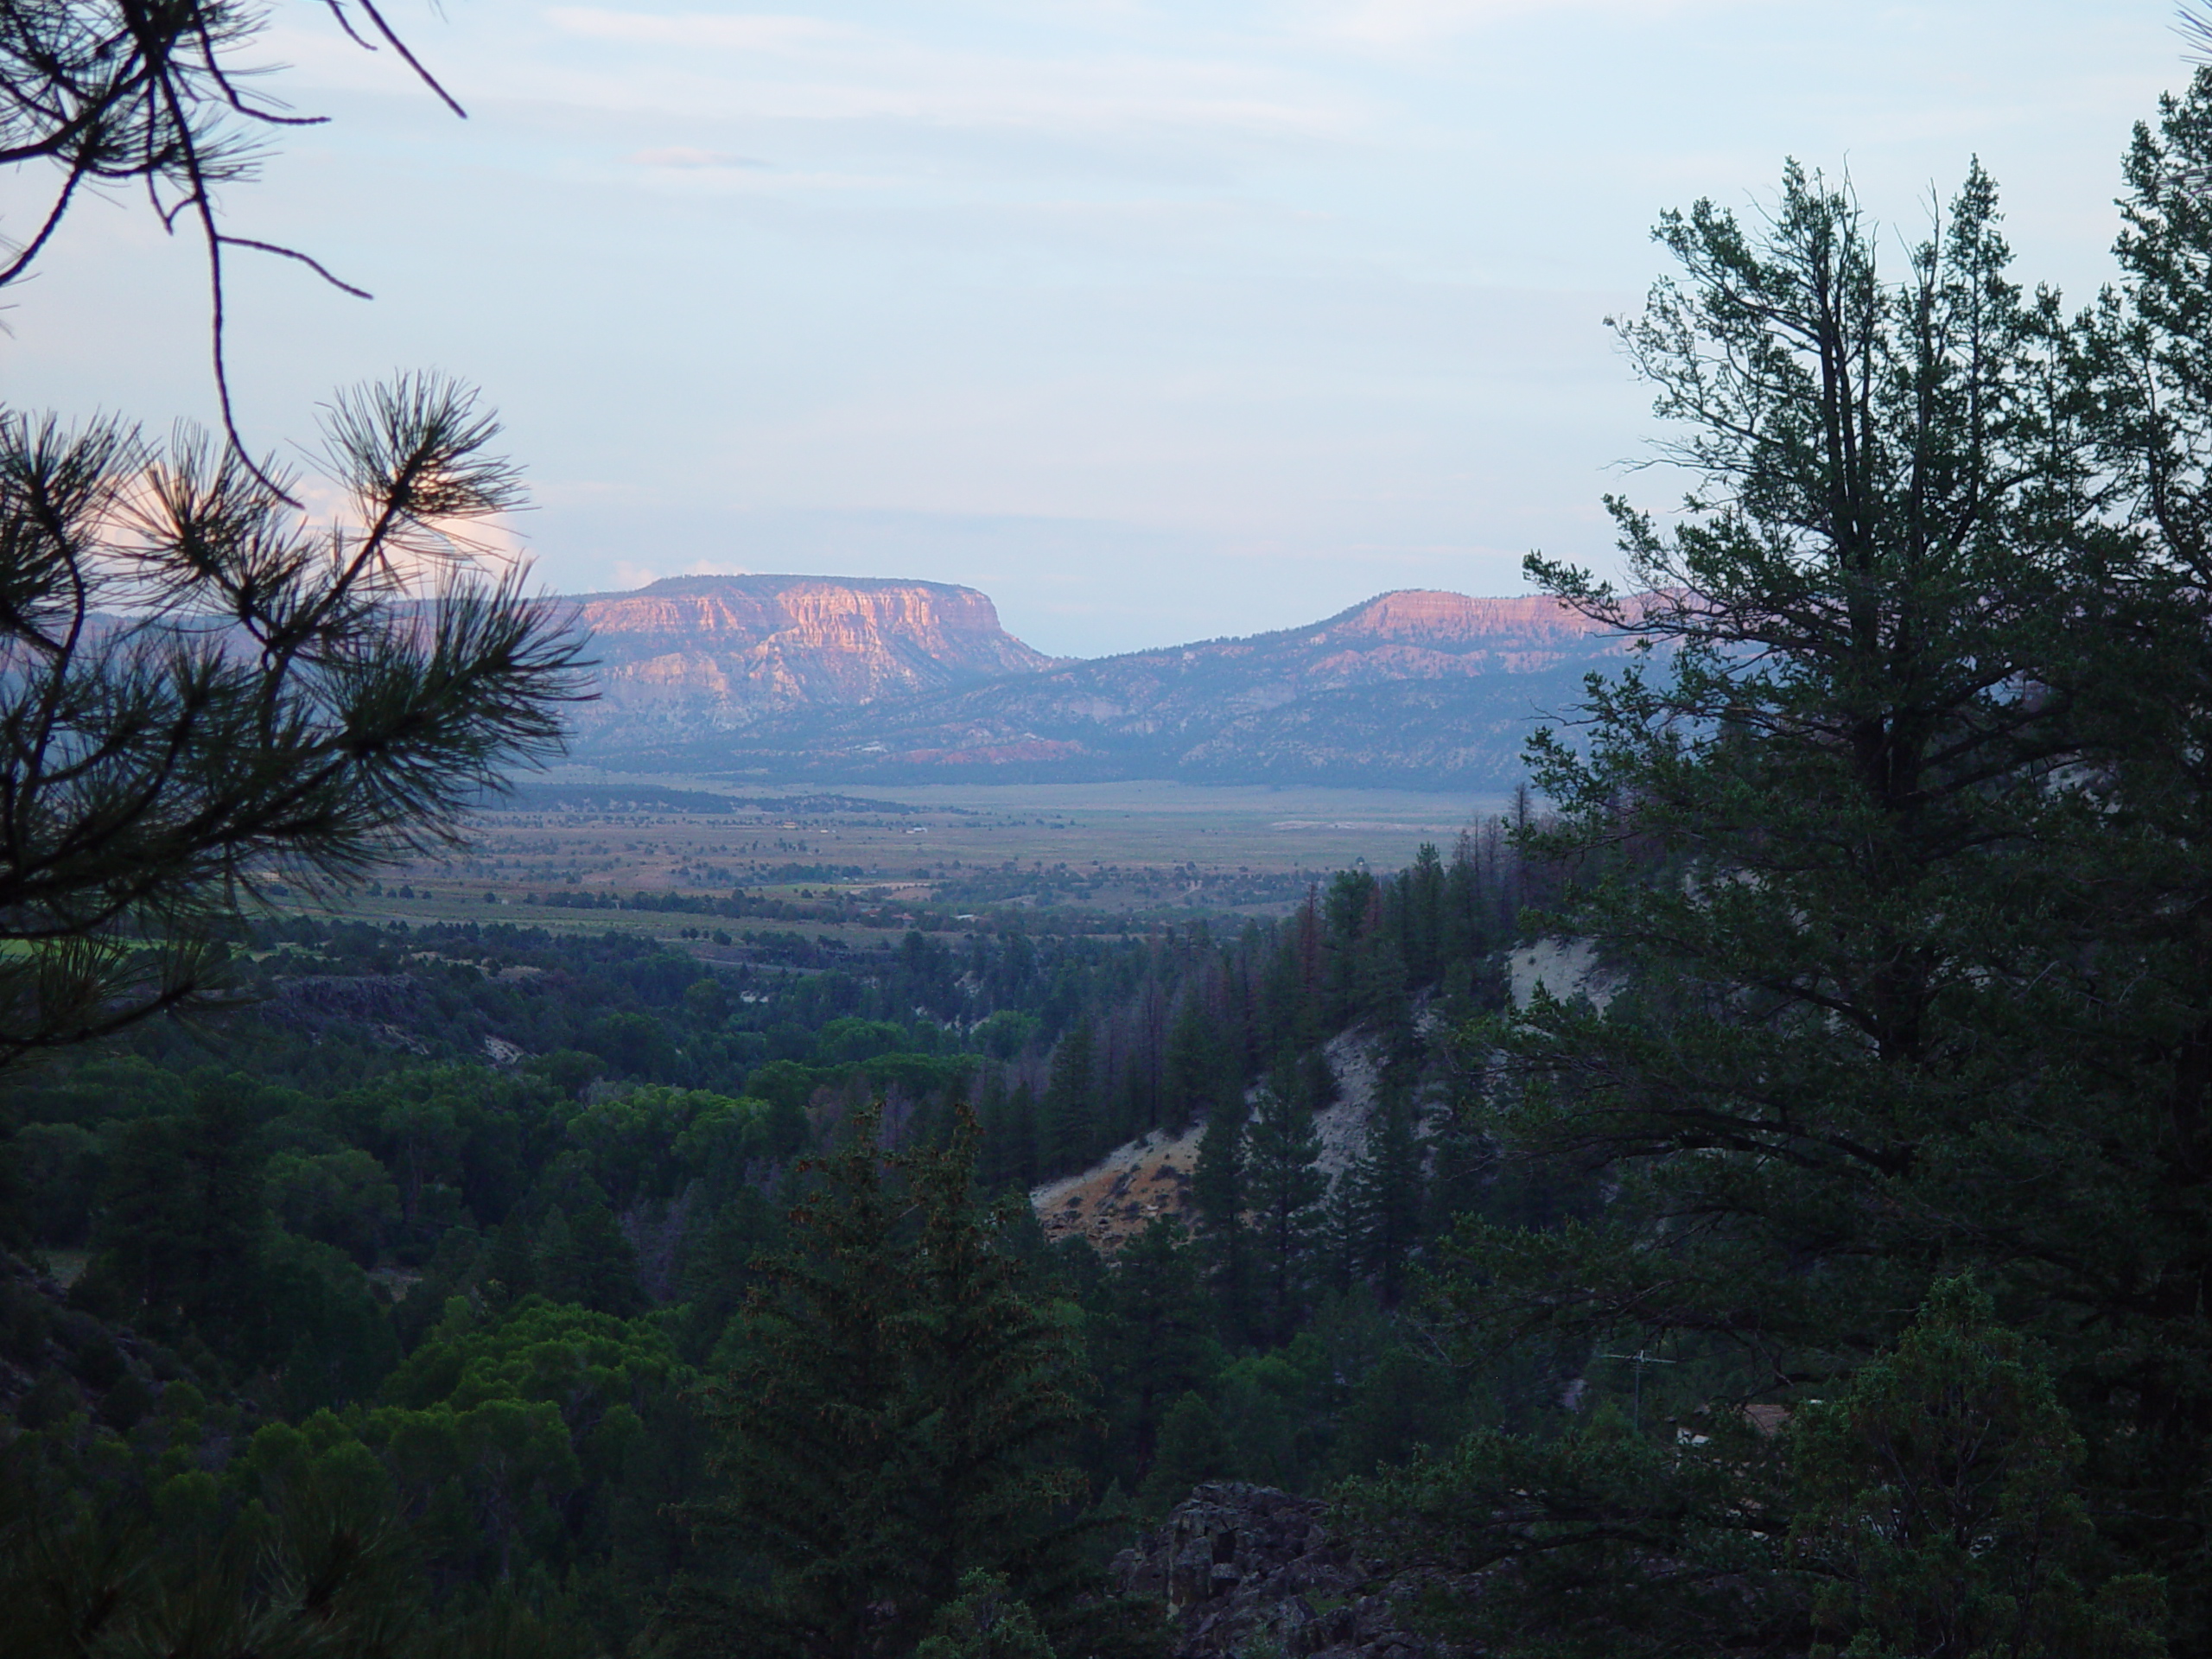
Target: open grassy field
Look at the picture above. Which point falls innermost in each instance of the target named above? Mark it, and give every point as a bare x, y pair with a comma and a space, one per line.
960, 851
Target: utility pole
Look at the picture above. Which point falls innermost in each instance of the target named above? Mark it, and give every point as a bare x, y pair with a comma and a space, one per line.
1639, 1359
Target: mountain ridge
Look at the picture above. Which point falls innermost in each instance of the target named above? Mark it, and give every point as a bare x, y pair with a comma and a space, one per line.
874, 680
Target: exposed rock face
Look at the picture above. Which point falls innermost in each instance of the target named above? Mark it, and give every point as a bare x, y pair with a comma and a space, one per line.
1565, 969
1123, 1193
1247, 1568
1422, 634
389, 1009
1117, 1197
1429, 690
1208, 707
853, 680
729, 652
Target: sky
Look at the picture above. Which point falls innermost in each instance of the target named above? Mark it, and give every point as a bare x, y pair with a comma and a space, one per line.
1153, 321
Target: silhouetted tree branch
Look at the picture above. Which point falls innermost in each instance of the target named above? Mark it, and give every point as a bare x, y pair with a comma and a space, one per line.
203, 695
153, 93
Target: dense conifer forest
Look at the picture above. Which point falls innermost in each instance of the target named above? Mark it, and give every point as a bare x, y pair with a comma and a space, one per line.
1780, 1218
334, 1268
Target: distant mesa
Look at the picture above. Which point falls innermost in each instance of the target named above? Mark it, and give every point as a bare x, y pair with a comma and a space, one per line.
728, 653
823, 679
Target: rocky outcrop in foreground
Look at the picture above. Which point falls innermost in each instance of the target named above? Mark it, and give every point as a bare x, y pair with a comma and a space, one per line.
1248, 1569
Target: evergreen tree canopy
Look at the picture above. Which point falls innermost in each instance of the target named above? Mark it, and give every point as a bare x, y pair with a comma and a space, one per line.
207, 701
1069, 1112
887, 1429
1283, 1190
1903, 973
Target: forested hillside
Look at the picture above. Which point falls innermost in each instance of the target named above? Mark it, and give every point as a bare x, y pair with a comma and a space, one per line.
1776, 1219
452, 1230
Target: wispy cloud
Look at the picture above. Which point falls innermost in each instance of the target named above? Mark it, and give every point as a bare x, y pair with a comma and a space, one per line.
1418, 22
696, 30
795, 68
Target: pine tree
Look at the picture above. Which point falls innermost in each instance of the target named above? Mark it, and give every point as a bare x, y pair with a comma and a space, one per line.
1339, 1238
1219, 1191
1283, 1189
1154, 1343
986, 1621
1379, 990
1194, 1446
1347, 935
810, 1422
587, 1261
1385, 1187
1938, 1505
1423, 888
997, 1371
1282, 1007
1023, 1137
896, 1420
1868, 1027
1070, 1109
2141, 1027
1820, 993
211, 699
1195, 1071
181, 1233
1001, 1160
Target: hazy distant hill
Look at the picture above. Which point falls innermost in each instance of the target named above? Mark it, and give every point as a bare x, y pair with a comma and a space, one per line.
1411, 688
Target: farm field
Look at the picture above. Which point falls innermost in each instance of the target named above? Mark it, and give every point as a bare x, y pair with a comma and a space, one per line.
570, 845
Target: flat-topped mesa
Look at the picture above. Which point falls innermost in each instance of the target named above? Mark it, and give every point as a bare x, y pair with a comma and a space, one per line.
911, 682
730, 650
1417, 633
1435, 618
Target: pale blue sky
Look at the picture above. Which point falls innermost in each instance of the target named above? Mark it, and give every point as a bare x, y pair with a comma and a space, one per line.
1152, 320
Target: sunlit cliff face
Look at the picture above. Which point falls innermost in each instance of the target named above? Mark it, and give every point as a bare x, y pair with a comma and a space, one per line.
1421, 633
736, 649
